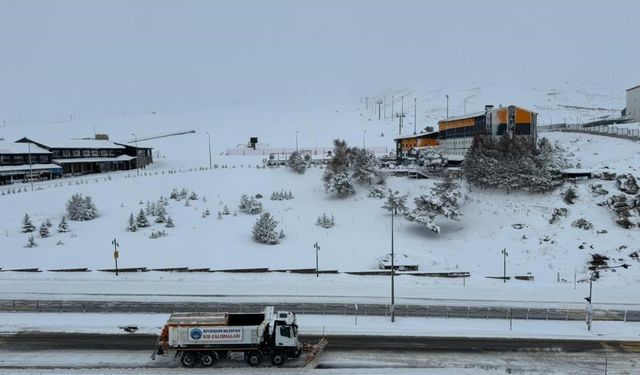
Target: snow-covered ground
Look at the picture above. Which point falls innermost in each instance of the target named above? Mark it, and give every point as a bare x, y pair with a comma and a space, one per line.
360, 238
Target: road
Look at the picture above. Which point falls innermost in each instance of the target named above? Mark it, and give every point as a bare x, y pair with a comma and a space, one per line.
35, 341
466, 312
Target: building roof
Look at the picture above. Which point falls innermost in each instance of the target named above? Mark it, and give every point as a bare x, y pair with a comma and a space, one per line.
133, 146
94, 144
633, 88
463, 117
420, 135
94, 160
20, 148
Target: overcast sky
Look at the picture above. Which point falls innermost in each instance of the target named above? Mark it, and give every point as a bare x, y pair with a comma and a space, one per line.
98, 58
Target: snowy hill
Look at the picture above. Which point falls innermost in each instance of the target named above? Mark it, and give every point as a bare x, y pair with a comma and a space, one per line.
362, 232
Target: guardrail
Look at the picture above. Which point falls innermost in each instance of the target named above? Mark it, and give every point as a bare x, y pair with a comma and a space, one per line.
426, 311
607, 130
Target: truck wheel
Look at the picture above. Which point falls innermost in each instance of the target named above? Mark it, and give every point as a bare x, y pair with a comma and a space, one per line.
188, 359
277, 358
208, 359
253, 358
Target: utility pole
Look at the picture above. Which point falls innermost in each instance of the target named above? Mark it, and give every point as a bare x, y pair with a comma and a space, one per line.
137, 155
379, 110
415, 114
317, 248
589, 305
384, 105
504, 256
30, 166
364, 133
116, 255
297, 137
209, 137
392, 113
367, 99
447, 105
401, 116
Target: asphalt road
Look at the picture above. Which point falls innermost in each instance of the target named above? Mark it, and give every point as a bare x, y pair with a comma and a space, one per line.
467, 312
35, 341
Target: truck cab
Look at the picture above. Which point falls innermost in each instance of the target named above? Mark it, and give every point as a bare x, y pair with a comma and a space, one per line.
285, 333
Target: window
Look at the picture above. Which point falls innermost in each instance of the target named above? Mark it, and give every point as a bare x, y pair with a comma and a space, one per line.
44, 159
18, 158
56, 153
86, 153
66, 153
76, 153
112, 153
104, 153
95, 153
285, 331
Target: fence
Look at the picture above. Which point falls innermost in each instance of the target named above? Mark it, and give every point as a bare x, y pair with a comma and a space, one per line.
609, 130
284, 151
426, 311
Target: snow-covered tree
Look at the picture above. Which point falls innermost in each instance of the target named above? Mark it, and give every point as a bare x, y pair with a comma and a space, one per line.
81, 208
569, 196
225, 210
193, 196
431, 159
297, 162
340, 184
161, 213
264, 230
325, 221
365, 166
27, 225
48, 223
141, 220
63, 227
377, 191
44, 231
396, 203
31, 242
131, 226
169, 222
443, 201
249, 205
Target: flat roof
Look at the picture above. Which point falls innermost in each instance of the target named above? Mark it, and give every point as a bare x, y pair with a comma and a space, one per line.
463, 117
415, 135
20, 148
77, 143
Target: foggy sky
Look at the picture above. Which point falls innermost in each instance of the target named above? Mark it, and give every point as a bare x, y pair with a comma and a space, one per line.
99, 58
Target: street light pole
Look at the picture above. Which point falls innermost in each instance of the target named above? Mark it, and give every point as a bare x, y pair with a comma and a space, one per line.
209, 137
137, 155
415, 114
447, 105
392, 310
504, 256
116, 255
364, 133
317, 248
297, 134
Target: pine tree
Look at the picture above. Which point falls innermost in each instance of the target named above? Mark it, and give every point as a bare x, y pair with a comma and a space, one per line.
132, 227
364, 165
31, 242
297, 162
63, 227
443, 201
44, 231
81, 208
341, 185
48, 223
27, 225
161, 213
264, 231
141, 220
396, 203
169, 222
225, 210
570, 196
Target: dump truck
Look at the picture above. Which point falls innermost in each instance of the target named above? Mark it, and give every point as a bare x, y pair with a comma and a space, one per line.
203, 338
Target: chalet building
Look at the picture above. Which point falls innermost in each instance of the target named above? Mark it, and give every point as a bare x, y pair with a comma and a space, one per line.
83, 156
18, 161
455, 134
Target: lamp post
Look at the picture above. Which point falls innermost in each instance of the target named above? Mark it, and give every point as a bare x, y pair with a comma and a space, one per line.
209, 138
317, 247
504, 257
393, 271
30, 167
137, 155
447, 105
116, 255
297, 136
589, 309
364, 133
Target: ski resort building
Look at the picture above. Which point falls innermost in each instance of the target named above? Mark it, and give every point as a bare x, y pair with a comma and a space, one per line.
633, 103
83, 156
455, 134
18, 161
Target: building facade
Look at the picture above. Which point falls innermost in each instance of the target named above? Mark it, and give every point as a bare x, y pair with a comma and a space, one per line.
455, 134
633, 103
20, 162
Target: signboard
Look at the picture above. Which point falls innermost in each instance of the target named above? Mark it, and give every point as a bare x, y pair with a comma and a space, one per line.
217, 334
116, 255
